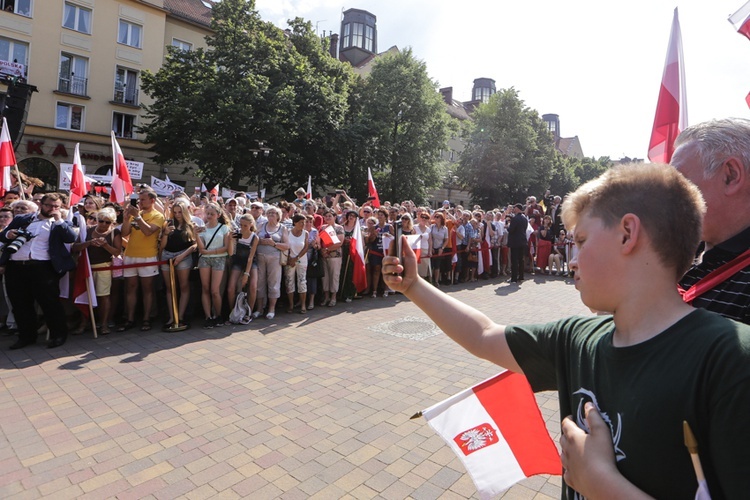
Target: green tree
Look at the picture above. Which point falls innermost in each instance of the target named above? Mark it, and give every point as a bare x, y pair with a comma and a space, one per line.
509, 152
403, 127
254, 83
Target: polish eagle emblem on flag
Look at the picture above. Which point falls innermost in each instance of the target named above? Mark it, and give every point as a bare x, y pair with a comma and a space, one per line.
476, 438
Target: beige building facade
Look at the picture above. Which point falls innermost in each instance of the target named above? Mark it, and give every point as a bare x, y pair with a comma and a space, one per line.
86, 59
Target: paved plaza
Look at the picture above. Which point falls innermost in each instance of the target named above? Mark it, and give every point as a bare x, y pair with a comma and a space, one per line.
303, 406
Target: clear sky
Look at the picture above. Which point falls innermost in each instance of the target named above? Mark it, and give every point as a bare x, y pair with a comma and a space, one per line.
598, 64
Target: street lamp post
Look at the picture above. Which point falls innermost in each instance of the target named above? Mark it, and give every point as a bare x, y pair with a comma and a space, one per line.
260, 154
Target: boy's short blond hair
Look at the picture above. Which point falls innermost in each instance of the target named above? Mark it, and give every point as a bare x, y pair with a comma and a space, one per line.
669, 206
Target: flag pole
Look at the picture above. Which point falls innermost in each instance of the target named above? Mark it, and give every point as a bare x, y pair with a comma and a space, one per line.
91, 300
20, 184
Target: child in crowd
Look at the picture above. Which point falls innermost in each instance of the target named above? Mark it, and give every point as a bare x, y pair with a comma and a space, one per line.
626, 380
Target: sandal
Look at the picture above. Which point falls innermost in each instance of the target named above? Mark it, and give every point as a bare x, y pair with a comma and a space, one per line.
126, 326
104, 330
303, 311
145, 326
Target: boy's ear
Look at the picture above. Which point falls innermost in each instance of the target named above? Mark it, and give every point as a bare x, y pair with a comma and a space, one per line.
630, 231
733, 175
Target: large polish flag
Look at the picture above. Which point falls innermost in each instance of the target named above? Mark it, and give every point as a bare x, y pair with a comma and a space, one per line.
122, 185
671, 108
415, 243
741, 20
77, 182
485, 256
371, 191
497, 431
84, 282
7, 158
357, 258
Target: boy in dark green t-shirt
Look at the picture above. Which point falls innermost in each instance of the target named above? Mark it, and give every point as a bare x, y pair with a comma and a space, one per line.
626, 380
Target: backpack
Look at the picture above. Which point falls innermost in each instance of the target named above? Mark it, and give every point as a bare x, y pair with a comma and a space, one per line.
241, 312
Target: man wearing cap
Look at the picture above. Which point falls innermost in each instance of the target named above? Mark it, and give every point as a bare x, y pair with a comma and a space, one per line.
256, 210
517, 242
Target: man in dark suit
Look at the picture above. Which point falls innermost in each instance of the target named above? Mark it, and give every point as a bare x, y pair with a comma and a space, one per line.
33, 272
517, 243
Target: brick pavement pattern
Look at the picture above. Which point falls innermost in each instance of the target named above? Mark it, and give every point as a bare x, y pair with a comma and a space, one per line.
313, 406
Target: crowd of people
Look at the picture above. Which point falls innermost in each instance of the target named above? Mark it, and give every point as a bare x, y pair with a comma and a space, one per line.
207, 250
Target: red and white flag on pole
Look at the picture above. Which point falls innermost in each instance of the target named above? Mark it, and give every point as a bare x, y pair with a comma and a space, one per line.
215, 190
484, 263
741, 20
357, 258
497, 431
7, 158
371, 191
203, 188
77, 183
84, 278
328, 236
308, 194
415, 243
122, 185
671, 108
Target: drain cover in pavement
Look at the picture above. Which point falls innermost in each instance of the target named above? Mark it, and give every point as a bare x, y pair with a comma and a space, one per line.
408, 327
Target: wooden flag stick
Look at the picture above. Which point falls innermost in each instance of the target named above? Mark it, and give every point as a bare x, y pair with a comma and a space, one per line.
20, 184
91, 306
692, 445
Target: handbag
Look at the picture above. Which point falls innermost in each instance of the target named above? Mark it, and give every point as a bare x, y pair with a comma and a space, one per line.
284, 258
240, 314
315, 264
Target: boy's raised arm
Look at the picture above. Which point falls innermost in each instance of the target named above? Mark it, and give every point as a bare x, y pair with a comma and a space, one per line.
471, 329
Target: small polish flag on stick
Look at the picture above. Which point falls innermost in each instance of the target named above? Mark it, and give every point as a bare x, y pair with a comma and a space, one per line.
415, 244
497, 431
308, 195
741, 20
215, 190
357, 258
371, 191
329, 237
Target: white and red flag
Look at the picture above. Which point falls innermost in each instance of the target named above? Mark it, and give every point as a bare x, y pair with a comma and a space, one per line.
308, 194
484, 263
497, 431
328, 236
371, 191
671, 108
415, 243
7, 158
203, 188
357, 259
215, 190
83, 288
77, 183
122, 185
741, 20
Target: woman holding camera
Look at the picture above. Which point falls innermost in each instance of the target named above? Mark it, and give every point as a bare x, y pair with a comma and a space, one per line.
332, 241
244, 262
178, 242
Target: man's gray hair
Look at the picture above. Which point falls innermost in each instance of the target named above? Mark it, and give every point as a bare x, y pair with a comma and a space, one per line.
718, 140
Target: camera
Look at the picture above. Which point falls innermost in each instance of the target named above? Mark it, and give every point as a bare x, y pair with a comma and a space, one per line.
134, 200
22, 237
339, 191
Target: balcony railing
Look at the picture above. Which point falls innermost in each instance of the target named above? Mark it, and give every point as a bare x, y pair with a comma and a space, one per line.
73, 84
125, 95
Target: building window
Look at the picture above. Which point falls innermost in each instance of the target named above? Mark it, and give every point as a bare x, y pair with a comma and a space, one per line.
347, 40
123, 125
129, 34
69, 116
358, 31
13, 57
20, 7
77, 18
185, 46
126, 86
73, 74
369, 38
482, 94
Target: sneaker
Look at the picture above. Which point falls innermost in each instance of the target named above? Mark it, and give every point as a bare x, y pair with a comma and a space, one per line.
219, 321
311, 305
347, 300
209, 323
256, 314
